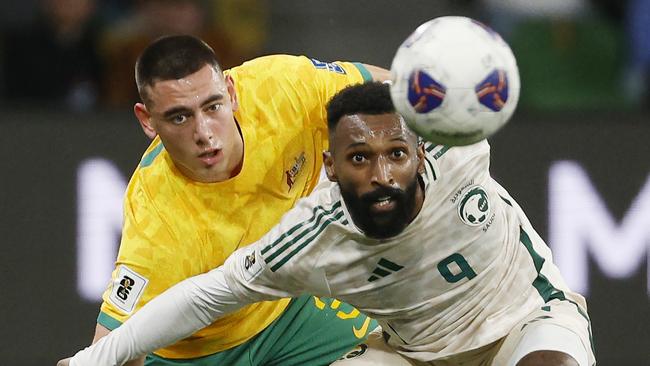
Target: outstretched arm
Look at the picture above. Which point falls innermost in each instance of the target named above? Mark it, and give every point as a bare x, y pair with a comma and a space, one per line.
246, 277
177, 313
378, 73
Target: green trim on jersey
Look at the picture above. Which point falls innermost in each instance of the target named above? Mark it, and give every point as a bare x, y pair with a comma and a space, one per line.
148, 159
441, 152
541, 283
546, 290
429, 146
314, 216
306, 241
367, 76
107, 321
506, 201
433, 171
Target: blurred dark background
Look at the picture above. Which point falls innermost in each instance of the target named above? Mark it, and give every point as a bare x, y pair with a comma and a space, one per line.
576, 154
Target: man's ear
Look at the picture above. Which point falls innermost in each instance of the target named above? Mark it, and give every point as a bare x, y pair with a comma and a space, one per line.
142, 114
230, 86
328, 163
420, 154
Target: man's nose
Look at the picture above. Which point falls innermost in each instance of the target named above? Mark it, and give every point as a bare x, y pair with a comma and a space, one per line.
382, 172
203, 130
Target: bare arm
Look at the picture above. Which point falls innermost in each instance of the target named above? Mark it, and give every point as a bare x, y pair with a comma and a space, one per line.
378, 73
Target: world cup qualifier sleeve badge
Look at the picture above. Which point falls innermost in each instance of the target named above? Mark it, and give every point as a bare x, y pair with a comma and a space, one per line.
127, 288
474, 206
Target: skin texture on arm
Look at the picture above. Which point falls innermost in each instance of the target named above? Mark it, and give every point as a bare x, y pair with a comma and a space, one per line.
101, 331
540, 358
378, 73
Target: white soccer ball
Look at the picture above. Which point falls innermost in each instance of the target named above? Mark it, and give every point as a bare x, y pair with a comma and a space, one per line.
455, 81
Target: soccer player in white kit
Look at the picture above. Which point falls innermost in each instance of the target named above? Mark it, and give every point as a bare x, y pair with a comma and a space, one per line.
417, 236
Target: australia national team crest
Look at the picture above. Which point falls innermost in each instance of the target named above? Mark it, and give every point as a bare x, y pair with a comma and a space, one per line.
474, 206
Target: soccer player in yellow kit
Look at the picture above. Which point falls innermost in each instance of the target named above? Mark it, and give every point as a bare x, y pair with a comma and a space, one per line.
231, 153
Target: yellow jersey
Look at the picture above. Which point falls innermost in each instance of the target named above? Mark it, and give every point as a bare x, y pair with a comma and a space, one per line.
175, 228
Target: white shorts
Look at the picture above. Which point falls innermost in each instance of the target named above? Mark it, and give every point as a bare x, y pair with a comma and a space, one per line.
559, 325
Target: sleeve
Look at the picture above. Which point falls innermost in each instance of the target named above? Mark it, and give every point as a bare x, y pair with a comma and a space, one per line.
251, 279
320, 81
459, 162
179, 312
333, 76
197, 301
285, 261
142, 258
304, 83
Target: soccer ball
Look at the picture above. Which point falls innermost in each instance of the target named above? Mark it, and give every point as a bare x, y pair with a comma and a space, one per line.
455, 81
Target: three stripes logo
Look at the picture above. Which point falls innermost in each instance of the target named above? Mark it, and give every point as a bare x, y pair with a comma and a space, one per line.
298, 237
383, 269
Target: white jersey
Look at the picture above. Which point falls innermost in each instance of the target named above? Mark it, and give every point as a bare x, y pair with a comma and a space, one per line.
461, 275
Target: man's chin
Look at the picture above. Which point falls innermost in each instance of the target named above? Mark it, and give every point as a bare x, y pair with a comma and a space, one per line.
384, 232
384, 227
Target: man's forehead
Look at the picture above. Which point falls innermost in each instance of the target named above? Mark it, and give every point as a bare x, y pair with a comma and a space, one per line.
204, 77
192, 88
380, 125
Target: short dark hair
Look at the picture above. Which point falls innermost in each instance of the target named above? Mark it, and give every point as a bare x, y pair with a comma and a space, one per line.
367, 98
172, 57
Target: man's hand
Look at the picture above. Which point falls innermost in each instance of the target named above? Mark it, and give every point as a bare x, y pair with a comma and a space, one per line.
64, 362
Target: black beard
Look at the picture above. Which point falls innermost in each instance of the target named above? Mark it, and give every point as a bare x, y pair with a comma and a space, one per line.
384, 225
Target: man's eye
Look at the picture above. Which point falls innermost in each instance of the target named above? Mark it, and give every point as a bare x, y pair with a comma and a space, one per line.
399, 153
358, 158
179, 119
214, 107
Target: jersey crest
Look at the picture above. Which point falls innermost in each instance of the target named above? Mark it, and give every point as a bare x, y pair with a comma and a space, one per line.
474, 206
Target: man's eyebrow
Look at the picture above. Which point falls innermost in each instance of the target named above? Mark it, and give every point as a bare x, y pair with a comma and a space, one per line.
399, 138
363, 143
213, 98
356, 144
174, 111
181, 109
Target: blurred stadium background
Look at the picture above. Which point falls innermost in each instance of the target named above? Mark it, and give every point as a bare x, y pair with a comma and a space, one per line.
576, 155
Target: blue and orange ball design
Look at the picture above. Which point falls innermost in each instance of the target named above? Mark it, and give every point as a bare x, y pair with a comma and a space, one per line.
425, 94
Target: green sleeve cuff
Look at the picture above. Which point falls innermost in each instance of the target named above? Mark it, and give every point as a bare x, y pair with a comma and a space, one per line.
364, 72
107, 321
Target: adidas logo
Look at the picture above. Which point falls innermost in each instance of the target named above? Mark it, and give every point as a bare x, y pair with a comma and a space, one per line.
383, 269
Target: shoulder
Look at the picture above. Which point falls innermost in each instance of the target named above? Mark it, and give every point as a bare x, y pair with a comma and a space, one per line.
288, 67
152, 186
314, 223
153, 168
267, 65
447, 157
